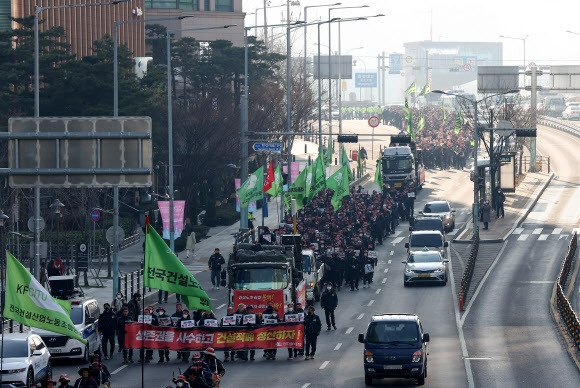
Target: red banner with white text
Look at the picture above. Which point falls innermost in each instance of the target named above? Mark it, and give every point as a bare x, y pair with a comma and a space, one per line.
279, 335
259, 299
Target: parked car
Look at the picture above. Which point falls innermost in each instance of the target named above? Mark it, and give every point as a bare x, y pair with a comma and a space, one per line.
571, 113
443, 210
395, 346
84, 314
425, 266
26, 360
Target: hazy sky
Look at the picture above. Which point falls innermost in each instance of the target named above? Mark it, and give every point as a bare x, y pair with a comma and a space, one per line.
545, 22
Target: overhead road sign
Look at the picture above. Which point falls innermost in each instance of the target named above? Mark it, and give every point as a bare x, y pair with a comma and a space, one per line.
267, 147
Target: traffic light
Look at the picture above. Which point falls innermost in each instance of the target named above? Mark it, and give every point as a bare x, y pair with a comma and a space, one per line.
525, 132
348, 138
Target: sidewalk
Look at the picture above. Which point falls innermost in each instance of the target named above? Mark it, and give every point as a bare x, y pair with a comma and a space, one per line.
517, 206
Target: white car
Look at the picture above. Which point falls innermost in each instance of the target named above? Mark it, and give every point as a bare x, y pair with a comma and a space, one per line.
26, 360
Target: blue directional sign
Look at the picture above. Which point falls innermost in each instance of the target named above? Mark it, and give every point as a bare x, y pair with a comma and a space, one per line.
365, 80
395, 66
267, 147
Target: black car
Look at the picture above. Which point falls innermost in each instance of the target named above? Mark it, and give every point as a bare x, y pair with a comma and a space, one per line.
427, 223
443, 210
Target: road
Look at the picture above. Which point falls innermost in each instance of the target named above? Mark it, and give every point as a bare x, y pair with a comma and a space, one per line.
507, 338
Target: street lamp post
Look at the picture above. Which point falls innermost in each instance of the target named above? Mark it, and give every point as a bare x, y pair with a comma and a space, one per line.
475, 148
330, 144
57, 207
340, 80
524, 43
3, 219
170, 124
37, 11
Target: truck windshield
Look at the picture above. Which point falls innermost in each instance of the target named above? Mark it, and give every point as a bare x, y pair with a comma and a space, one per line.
402, 163
260, 279
306, 267
392, 333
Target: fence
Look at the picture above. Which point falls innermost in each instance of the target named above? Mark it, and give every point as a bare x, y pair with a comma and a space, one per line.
468, 273
567, 313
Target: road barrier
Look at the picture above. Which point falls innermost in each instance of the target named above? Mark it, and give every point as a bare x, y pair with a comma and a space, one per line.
468, 273
567, 313
561, 125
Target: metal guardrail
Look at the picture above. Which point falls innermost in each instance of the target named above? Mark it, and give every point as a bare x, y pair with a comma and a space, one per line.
559, 124
468, 273
131, 283
131, 240
567, 313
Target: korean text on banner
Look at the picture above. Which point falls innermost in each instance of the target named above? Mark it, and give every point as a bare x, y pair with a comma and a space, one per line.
178, 212
259, 298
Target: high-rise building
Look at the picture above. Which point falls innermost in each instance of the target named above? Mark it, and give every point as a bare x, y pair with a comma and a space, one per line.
84, 25
206, 13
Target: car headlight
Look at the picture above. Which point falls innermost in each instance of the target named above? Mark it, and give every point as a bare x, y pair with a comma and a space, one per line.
369, 356
15, 370
439, 270
409, 270
311, 284
417, 356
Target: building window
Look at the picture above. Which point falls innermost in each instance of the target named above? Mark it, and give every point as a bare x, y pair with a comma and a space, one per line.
172, 4
206, 6
224, 5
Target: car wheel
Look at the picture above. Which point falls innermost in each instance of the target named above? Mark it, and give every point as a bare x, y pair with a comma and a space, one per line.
48, 370
87, 355
368, 380
29, 378
421, 380
405, 284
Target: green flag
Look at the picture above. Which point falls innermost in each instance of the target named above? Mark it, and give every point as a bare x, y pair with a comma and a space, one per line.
338, 182
328, 155
308, 185
297, 191
421, 122
458, 122
31, 304
344, 161
411, 89
359, 162
276, 188
164, 271
251, 189
444, 111
318, 177
379, 175
409, 118
426, 89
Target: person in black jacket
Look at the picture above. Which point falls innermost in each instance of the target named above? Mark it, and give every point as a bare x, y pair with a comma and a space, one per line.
312, 327
163, 320
135, 306
329, 302
124, 318
215, 263
107, 328
184, 317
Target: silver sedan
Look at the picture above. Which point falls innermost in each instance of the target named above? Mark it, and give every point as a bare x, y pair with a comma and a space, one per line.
425, 266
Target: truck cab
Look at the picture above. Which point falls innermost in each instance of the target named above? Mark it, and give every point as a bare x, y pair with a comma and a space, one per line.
310, 272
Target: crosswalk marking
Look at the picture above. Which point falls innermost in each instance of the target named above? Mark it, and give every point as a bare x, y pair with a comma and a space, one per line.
398, 240
557, 231
518, 231
523, 237
543, 237
537, 231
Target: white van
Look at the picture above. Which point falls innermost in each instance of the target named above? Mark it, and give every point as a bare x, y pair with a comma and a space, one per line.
84, 315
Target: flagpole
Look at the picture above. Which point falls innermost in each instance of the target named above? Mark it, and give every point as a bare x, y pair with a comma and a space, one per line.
142, 356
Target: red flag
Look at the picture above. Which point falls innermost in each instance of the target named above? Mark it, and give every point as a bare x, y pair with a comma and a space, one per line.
147, 224
269, 177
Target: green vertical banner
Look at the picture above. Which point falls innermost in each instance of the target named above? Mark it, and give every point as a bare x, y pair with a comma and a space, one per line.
318, 177
378, 175
344, 161
309, 183
297, 191
338, 182
251, 189
409, 118
276, 188
411, 89
458, 122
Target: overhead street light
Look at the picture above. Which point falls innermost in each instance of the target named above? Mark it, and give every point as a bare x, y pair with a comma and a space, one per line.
475, 148
524, 42
37, 11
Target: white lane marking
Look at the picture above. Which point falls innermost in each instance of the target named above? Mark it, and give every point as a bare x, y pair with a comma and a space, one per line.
537, 281
398, 232
392, 253
119, 369
360, 316
384, 280
221, 306
398, 240
338, 345
543, 237
478, 358
537, 231
389, 262
305, 385
523, 237
371, 302
386, 270
518, 231
557, 231
349, 330
324, 364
